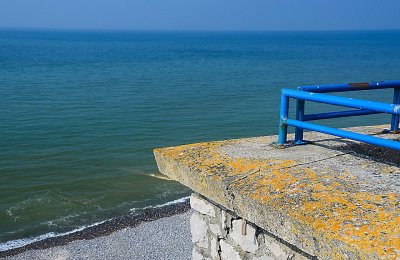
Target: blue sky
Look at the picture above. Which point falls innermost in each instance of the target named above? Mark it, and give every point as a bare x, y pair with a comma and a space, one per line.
201, 14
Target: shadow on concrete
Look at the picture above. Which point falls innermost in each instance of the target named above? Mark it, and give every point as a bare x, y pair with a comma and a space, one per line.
364, 150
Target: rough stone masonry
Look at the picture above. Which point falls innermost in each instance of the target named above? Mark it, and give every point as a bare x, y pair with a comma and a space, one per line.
218, 234
332, 199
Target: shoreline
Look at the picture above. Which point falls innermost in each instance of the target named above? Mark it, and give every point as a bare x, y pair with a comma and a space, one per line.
105, 228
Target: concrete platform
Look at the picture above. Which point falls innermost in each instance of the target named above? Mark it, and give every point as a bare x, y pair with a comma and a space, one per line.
334, 198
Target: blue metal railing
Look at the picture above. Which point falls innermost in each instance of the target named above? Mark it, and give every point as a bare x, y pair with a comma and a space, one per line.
362, 107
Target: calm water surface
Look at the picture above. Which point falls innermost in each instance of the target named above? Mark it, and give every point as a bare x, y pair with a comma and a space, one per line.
82, 111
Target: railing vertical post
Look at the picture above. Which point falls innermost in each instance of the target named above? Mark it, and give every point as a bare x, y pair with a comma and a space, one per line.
395, 118
299, 116
283, 118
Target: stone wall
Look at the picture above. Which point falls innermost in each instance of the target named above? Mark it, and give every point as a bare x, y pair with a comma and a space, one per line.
219, 234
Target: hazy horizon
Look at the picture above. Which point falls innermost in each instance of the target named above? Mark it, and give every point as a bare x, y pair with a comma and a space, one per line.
179, 30
208, 15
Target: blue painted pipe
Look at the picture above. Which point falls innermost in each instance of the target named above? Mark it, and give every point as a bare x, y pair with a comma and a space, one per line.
360, 112
284, 114
342, 101
345, 134
394, 126
351, 86
298, 137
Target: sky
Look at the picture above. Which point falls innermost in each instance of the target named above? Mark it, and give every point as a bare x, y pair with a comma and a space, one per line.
264, 15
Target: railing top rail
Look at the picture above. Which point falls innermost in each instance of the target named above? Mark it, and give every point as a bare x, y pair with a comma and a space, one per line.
351, 86
342, 101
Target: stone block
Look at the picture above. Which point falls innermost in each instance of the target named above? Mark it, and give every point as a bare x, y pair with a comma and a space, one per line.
198, 228
215, 248
202, 206
216, 229
263, 257
244, 235
276, 248
198, 256
226, 219
228, 252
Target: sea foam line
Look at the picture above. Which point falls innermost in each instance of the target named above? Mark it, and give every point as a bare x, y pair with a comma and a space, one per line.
181, 200
12, 244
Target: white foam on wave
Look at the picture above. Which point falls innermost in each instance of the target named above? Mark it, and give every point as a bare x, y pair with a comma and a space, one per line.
160, 176
184, 199
12, 244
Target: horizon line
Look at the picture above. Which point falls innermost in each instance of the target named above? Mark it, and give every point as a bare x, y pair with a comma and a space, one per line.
184, 30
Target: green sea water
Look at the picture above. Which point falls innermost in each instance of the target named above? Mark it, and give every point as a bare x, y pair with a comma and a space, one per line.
80, 111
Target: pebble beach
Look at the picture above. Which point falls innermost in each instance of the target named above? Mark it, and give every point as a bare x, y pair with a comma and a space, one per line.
165, 234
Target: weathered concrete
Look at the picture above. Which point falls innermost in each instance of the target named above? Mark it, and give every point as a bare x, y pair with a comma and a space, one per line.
323, 199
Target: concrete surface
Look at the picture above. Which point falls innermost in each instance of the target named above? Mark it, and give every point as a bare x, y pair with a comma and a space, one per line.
334, 198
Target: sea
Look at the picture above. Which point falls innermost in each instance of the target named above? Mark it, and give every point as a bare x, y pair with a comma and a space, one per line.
81, 111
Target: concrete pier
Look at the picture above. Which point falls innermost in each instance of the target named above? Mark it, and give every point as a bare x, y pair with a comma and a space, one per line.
332, 199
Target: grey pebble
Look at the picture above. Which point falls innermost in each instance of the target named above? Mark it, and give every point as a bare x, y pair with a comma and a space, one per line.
164, 238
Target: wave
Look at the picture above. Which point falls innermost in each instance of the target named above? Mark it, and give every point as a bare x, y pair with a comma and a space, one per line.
181, 200
160, 176
12, 244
